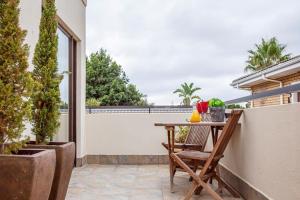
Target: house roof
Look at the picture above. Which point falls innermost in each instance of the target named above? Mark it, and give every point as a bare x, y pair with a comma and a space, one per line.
281, 69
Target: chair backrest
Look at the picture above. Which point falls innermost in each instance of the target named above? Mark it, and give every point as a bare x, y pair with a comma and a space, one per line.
194, 137
223, 140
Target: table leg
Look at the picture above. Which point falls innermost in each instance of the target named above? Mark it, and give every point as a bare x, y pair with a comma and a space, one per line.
171, 141
216, 135
214, 141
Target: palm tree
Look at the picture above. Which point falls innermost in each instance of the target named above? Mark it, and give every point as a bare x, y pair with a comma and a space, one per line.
187, 93
267, 53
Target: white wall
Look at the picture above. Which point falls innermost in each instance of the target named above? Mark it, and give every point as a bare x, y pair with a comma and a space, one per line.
265, 150
30, 15
127, 133
71, 14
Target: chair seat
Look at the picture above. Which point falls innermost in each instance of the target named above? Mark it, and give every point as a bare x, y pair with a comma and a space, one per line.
181, 146
194, 155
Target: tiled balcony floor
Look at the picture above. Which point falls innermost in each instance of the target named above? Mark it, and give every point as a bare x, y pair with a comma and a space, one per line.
129, 182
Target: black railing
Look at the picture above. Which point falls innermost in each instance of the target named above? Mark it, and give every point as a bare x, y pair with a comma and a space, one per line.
188, 109
139, 109
279, 91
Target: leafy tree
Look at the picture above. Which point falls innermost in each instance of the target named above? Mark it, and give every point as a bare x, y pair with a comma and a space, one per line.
233, 106
108, 83
15, 80
46, 98
267, 53
187, 92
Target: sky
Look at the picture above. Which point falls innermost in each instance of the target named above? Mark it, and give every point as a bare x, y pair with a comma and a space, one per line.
164, 43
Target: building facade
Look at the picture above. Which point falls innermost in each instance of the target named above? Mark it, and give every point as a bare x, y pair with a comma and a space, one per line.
277, 76
71, 16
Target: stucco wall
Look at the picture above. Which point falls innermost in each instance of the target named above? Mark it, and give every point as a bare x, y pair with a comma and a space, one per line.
71, 14
127, 133
265, 151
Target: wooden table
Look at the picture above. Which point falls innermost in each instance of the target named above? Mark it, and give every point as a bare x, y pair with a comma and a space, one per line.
215, 127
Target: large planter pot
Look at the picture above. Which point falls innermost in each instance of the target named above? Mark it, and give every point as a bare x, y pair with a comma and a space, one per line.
202, 106
65, 155
217, 114
27, 175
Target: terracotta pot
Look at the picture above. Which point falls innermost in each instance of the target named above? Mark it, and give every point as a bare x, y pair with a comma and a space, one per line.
65, 155
202, 106
27, 174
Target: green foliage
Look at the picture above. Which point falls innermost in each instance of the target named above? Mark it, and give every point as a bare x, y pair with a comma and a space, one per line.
15, 80
107, 82
92, 102
267, 53
215, 102
46, 98
187, 93
233, 106
182, 134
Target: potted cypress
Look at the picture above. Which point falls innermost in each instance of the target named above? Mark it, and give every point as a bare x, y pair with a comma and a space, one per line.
217, 110
46, 102
24, 173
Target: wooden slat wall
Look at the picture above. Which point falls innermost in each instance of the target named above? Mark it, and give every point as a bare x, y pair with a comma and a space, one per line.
274, 100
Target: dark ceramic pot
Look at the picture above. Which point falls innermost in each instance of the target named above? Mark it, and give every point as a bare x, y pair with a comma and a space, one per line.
27, 174
217, 114
65, 155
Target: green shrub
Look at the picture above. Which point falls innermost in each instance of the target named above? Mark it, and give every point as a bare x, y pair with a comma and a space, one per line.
182, 134
215, 102
233, 106
46, 98
15, 80
92, 102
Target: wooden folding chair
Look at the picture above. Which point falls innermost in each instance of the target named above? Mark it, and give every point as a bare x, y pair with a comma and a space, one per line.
211, 161
196, 140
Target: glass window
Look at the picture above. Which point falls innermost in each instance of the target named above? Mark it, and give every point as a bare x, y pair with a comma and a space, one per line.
63, 67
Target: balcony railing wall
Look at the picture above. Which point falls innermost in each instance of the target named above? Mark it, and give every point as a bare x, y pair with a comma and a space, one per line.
264, 151
127, 133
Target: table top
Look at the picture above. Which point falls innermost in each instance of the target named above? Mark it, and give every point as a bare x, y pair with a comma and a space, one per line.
220, 124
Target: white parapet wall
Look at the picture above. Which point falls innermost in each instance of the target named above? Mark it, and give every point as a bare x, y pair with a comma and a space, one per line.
127, 133
265, 151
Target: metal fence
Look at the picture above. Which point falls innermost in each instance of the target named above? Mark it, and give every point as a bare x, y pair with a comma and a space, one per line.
139, 109
187, 109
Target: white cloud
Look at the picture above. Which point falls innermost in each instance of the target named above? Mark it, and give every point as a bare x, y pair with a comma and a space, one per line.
163, 43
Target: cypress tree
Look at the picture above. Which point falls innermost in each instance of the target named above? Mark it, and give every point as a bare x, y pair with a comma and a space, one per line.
46, 97
15, 79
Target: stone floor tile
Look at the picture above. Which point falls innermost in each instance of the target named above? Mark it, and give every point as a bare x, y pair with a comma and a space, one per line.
129, 182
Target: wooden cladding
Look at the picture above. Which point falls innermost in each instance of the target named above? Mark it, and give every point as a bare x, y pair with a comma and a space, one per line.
275, 100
